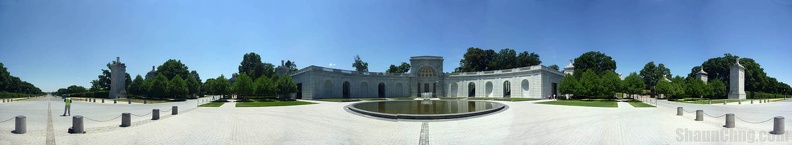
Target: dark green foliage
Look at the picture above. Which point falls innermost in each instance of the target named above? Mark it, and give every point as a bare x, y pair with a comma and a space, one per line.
719, 90
697, 88
286, 85
291, 65
756, 80
596, 61
177, 88
555, 67
569, 85
476, 59
611, 83
158, 87
651, 74
137, 86
633, 84
252, 66
244, 86
173, 68
265, 86
14, 85
360, 65
403, 68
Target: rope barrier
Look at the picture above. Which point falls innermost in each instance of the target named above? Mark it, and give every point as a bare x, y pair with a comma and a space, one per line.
104, 120
166, 110
7, 120
688, 111
705, 113
754, 122
142, 115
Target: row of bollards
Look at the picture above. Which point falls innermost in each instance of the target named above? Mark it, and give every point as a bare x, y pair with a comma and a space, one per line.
126, 120
8, 100
778, 121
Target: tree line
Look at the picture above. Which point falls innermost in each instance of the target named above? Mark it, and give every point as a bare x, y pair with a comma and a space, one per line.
12, 86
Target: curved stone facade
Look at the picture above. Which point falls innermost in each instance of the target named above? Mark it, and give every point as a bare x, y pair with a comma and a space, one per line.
426, 75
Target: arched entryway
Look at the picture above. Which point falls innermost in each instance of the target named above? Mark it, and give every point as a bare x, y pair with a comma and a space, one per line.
506, 89
346, 90
488, 89
525, 86
364, 90
453, 89
381, 90
471, 89
328, 89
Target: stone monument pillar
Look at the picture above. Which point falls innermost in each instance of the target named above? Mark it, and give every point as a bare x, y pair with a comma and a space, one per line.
737, 81
702, 75
569, 69
117, 79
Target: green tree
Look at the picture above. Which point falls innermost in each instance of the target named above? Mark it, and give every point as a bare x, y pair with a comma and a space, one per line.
244, 86
360, 65
207, 87
286, 85
525, 59
651, 74
569, 85
136, 87
596, 61
504, 59
173, 68
194, 75
718, 89
291, 65
12, 84
555, 67
222, 86
678, 86
611, 84
664, 87
178, 88
633, 84
252, 66
265, 87
193, 86
697, 88
403, 68
159, 86
591, 84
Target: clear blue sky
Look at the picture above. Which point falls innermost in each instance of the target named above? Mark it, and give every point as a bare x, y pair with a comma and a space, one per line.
53, 44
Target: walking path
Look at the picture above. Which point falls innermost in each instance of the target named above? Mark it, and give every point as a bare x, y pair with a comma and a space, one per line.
625, 105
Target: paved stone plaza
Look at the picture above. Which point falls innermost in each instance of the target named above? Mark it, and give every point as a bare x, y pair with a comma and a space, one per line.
329, 123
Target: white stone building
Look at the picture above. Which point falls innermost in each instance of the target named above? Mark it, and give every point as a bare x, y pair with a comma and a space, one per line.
426, 75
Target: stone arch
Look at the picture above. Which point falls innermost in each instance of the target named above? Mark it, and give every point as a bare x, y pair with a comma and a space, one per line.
345, 90
506, 89
471, 89
488, 89
399, 90
328, 89
364, 89
453, 89
381, 90
525, 87
426, 71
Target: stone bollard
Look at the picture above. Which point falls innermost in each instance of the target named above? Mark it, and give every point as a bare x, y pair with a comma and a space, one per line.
115, 101
77, 124
778, 125
102, 101
739, 102
729, 120
20, 126
751, 101
724, 102
710, 101
155, 114
94, 100
175, 110
145, 101
699, 115
679, 111
126, 119
129, 101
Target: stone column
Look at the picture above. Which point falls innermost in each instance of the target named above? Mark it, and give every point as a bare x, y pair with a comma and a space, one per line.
737, 81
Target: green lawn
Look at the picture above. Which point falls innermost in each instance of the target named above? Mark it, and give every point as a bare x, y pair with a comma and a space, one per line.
271, 103
639, 104
596, 103
212, 104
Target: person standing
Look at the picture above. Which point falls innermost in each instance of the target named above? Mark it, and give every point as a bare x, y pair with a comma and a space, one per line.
68, 106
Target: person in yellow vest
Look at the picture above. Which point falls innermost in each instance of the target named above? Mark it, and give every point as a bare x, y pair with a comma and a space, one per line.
68, 106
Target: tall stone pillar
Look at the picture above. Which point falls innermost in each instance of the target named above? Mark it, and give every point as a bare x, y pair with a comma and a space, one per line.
118, 79
737, 81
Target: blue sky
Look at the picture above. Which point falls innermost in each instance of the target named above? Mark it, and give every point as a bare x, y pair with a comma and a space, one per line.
53, 44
